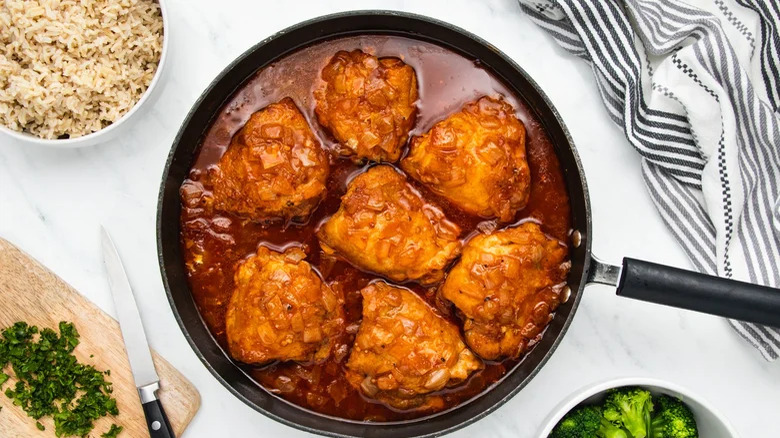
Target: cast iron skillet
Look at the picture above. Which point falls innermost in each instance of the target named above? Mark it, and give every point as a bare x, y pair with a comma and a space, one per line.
637, 279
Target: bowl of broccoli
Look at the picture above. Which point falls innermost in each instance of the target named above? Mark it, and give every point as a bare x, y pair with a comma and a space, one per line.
635, 408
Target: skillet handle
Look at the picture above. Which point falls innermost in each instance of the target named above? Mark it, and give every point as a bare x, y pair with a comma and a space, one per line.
675, 287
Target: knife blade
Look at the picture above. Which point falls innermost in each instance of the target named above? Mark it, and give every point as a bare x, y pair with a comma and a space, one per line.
137, 347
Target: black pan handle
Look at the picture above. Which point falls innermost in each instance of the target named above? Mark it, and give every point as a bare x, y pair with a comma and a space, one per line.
675, 287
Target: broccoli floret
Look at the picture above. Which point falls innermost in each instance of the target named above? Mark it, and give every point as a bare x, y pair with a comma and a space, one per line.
582, 422
630, 408
672, 419
610, 430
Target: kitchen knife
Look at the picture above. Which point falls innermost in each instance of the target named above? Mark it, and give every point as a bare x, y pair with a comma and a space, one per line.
141, 364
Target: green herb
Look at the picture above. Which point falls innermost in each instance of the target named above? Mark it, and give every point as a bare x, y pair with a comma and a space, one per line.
39, 425
113, 432
51, 382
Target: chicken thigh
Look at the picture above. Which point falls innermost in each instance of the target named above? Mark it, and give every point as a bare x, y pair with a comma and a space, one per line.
368, 104
506, 286
476, 159
385, 226
404, 350
273, 168
281, 310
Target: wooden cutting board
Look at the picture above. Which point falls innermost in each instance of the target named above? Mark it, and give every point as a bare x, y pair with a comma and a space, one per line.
30, 292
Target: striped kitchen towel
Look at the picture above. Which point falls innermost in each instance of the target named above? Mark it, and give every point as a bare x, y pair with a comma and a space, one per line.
695, 85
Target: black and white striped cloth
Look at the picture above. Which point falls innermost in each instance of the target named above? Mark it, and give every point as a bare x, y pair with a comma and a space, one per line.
695, 85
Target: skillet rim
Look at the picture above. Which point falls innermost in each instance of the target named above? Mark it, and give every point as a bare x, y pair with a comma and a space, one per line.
387, 429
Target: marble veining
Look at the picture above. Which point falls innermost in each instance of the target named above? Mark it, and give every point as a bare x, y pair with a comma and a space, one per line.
53, 201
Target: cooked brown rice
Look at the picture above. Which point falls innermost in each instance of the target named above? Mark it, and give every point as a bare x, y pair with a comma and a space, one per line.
72, 67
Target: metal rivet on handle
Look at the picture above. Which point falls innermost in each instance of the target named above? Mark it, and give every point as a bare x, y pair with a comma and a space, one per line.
576, 239
156, 425
565, 294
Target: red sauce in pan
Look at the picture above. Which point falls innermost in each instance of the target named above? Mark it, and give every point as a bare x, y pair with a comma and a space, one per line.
215, 242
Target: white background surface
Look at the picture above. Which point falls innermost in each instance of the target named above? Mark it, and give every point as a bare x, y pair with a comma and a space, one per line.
53, 201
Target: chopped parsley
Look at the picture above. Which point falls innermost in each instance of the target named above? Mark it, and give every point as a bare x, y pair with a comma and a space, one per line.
51, 382
113, 432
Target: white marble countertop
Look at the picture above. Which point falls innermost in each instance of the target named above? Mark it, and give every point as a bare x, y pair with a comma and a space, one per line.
53, 201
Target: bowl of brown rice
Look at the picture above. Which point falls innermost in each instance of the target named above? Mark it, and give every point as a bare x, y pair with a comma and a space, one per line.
72, 72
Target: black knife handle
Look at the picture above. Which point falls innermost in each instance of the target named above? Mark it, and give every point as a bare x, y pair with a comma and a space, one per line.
157, 421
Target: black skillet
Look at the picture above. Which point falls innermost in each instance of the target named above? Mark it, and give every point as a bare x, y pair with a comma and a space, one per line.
636, 279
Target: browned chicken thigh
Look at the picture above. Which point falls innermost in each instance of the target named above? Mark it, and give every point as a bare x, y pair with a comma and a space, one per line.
385, 226
506, 285
281, 310
368, 104
273, 168
476, 159
404, 350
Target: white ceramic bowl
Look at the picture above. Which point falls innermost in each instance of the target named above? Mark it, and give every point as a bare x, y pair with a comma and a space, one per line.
114, 129
711, 423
